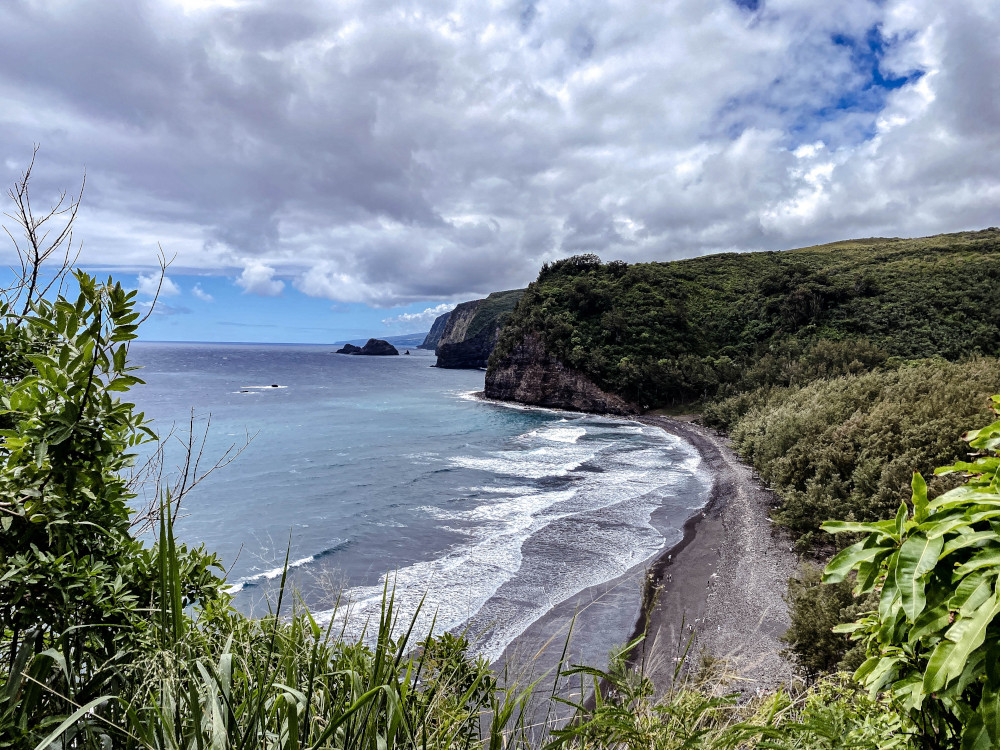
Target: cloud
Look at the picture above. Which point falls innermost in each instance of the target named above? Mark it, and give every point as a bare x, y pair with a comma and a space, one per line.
425, 318
149, 284
161, 308
366, 153
198, 293
259, 279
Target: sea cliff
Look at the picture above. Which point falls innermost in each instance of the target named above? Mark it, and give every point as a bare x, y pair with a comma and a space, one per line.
472, 330
437, 330
528, 374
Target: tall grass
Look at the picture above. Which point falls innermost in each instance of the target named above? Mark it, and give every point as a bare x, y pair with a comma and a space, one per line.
214, 678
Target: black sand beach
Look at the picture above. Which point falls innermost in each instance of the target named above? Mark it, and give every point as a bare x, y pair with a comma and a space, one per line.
720, 588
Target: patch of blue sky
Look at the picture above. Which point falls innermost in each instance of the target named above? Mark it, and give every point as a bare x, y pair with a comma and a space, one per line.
289, 317
221, 311
847, 114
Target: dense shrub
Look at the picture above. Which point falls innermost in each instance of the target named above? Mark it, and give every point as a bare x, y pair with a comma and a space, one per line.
845, 448
815, 610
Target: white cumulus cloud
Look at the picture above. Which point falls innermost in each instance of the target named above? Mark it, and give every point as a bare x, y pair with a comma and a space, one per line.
147, 284
425, 318
258, 279
198, 293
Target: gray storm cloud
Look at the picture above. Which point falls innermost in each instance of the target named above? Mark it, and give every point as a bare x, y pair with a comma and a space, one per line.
388, 152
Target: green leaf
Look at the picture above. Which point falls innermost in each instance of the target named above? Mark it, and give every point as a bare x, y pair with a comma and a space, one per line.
948, 659
930, 622
985, 559
919, 498
975, 735
917, 556
989, 712
843, 527
73, 718
971, 593
976, 538
846, 560
901, 515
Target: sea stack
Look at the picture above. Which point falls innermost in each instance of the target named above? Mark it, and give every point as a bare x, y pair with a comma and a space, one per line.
378, 347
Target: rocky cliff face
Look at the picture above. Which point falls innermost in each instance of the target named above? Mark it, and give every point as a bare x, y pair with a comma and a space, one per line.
472, 330
530, 375
437, 330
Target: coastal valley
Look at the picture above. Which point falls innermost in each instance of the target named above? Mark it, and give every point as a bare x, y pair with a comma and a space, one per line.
832, 373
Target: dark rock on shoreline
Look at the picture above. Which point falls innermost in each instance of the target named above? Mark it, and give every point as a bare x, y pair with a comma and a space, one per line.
349, 349
530, 375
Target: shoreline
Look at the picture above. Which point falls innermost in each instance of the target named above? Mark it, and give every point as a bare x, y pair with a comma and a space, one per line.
729, 570
719, 592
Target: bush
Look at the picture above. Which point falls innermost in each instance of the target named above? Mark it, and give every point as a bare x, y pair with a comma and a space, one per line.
845, 448
815, 610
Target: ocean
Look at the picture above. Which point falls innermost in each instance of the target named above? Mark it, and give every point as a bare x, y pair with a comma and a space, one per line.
376, 472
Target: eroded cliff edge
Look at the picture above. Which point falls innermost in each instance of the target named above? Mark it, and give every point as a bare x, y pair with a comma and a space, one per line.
472, 330
528, 374
437, 331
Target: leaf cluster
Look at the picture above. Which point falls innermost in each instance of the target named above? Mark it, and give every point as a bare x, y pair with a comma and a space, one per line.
934, 642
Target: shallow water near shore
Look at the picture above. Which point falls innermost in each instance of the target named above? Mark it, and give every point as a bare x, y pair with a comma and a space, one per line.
363, 465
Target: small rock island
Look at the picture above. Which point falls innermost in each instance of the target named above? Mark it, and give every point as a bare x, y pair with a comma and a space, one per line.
374, 347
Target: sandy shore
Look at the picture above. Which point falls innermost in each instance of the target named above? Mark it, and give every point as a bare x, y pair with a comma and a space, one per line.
720, 589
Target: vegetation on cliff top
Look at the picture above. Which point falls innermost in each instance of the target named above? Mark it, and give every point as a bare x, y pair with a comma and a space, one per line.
663, 333
493, 311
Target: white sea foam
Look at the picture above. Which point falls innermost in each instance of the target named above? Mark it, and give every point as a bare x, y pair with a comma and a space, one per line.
267, 575
530, 464
526, 548
561, 434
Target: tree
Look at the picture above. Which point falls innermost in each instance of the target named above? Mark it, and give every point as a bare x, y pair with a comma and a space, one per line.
75, 585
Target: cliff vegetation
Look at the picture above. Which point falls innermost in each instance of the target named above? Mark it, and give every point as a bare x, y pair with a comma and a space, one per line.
660, 334
472, 328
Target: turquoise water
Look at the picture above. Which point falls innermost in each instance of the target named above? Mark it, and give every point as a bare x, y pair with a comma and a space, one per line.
368, 467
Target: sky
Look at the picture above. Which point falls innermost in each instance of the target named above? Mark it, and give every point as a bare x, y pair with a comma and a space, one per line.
319, 171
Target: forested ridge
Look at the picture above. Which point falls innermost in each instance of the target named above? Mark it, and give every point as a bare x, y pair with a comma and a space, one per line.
667, 333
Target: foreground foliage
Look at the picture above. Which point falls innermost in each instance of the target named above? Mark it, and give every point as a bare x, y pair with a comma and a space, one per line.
934, 642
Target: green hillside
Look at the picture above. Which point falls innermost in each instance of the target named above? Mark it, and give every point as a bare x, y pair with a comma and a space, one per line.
664, 333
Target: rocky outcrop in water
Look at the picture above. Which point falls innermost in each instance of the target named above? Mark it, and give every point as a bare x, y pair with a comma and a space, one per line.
374, 347
472, 330
530, 375
378, 347
437, 330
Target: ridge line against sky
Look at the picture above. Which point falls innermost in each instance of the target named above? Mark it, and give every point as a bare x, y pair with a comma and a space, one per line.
325, 171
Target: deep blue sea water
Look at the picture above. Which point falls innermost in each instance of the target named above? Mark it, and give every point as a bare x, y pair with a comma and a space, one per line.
369, 467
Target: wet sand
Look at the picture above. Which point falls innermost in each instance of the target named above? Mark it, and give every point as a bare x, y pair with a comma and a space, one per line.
718, 591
